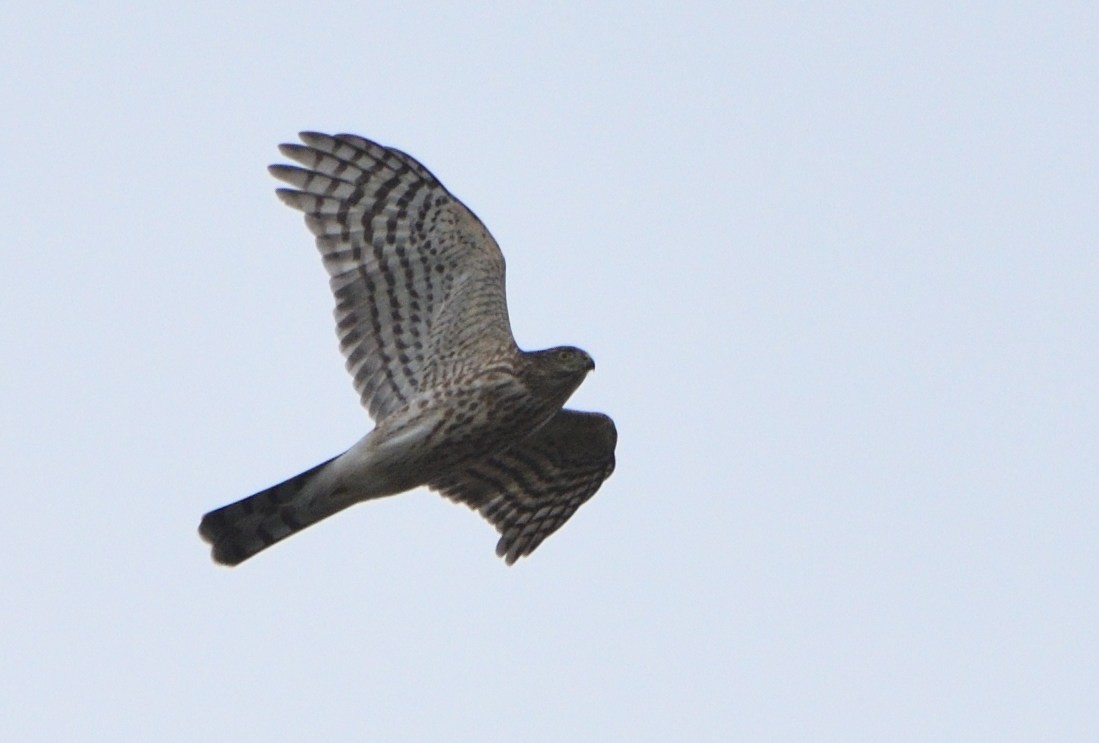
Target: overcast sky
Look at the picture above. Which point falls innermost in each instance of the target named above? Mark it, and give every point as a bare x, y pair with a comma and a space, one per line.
838, 268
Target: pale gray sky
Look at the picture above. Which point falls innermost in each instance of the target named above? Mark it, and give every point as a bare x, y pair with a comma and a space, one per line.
838, 268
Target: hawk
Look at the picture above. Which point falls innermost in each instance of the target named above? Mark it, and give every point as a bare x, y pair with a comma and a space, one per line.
422, 320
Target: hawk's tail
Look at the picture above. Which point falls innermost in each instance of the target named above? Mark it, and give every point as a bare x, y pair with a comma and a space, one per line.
239, 530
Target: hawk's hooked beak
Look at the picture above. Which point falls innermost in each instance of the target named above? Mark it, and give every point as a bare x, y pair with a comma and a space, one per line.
591, 364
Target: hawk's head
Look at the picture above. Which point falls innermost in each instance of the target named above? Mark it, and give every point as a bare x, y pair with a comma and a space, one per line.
556, 372
569, 361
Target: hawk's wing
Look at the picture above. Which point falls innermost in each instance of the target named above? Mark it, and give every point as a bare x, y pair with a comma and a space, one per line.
419, 281
529, 490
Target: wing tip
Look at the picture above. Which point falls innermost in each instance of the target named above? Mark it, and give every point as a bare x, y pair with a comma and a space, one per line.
283, 172
507, 550
288, 196
286, 149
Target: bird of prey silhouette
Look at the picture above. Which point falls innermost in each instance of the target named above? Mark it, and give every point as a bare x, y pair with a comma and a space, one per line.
422, 320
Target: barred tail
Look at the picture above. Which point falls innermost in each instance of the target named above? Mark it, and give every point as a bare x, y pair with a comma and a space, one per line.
239, 530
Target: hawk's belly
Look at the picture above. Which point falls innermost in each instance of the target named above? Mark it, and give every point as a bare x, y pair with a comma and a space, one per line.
431, 436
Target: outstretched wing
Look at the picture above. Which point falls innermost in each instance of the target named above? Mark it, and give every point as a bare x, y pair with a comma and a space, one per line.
418, 280
529, 490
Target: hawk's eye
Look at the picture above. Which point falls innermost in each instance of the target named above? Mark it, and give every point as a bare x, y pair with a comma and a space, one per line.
564, 355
